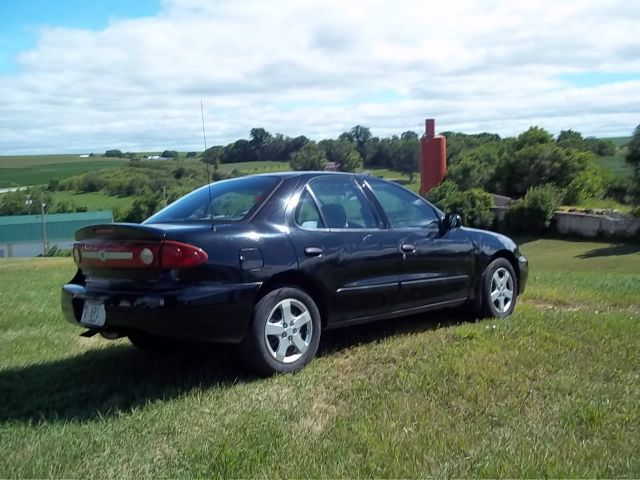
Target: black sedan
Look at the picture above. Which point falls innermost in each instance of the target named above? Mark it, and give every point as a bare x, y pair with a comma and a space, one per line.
270, 261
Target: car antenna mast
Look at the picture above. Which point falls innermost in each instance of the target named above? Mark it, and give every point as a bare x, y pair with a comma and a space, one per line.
204, 138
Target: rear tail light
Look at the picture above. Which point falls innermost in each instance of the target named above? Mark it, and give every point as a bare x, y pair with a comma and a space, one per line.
166, 255
181, 255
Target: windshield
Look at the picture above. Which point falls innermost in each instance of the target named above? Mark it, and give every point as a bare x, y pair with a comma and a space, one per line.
231, 201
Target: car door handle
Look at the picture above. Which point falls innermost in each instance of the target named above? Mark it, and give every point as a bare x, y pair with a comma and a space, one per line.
313, 251
408, 248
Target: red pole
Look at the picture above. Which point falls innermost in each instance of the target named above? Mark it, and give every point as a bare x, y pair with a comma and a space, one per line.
433, 157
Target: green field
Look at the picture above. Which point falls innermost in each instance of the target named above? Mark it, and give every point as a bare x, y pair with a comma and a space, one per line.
551, 391
52, 167
616, 164
93, 201
619, 141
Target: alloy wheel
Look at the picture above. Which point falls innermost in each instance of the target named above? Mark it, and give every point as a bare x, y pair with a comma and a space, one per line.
502, 290
288, 330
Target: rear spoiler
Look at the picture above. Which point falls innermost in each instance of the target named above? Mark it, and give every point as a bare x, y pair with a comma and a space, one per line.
129, 231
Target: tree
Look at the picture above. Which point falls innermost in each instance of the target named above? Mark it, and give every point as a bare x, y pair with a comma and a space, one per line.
275, 148
538, 164
343, 153
602, 148
574, 140
633, 159
113, 153
191, 154
170, 154
532, 137
294, 145
25, 202
405, 157
211, 154
239, 151
359, 135
259, 138
476, 168
309, 157
409, 135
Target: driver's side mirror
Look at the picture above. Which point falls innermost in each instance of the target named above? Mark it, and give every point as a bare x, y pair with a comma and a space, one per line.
451, 221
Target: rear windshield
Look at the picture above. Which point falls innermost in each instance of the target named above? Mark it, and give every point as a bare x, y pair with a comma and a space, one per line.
226, 201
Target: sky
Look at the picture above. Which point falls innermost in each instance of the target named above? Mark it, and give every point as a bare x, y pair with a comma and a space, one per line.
79, 76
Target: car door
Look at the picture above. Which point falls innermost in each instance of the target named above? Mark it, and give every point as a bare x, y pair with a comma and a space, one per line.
437, 266
338, 239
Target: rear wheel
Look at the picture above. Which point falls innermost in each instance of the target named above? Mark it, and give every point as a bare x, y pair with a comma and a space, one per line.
499, 289
284, 332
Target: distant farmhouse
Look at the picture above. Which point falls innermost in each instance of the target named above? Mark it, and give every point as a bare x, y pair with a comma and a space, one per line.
29, 235
157, 157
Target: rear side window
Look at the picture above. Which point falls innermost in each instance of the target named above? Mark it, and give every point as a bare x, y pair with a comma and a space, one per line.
403, 209
342, 203
307, 215
225, 201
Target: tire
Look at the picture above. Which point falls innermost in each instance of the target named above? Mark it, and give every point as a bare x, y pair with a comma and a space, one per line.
284, 332
499, 289
152, 343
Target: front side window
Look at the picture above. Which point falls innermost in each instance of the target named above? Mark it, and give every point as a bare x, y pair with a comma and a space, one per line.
342, 203
224, 201
403, 209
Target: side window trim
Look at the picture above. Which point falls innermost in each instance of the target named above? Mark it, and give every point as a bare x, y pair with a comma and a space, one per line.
374, 201
307, 191
436, 211
365, 199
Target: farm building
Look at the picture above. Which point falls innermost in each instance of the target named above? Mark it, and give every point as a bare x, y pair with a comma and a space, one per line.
27, 235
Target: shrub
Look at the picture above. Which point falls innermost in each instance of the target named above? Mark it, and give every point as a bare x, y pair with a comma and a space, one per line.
309, 157
533, 213
620, 189
440, 194
591, 183
474, 206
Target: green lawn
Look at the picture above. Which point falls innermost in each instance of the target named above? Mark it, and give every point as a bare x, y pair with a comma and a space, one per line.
552, 391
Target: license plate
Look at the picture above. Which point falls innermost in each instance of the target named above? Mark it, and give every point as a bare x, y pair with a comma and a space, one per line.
93, 314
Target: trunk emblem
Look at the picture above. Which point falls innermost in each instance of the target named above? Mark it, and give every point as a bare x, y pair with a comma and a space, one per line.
146, 256
102, 255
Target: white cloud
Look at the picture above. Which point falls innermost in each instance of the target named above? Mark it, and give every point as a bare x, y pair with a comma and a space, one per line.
317, 67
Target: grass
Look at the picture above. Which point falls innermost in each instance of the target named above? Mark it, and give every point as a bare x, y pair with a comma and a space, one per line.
93, 201
616, 164
40, 174
551, 391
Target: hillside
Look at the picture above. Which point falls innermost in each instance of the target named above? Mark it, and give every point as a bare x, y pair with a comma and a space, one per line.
551, 391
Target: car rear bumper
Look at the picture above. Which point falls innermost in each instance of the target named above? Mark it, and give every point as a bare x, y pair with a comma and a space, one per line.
523, 269
205, 313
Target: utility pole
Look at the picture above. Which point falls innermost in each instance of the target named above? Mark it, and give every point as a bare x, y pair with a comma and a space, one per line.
45, 244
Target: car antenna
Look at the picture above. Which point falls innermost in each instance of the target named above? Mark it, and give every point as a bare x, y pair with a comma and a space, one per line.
204, 137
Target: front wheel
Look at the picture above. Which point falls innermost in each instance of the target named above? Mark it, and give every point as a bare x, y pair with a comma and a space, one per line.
284, 333
499, 289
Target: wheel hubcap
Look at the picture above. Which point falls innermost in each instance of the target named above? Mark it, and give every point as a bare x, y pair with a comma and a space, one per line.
288, 330
502, 290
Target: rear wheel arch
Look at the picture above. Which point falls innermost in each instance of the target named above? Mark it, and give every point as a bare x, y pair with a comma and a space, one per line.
301, 281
